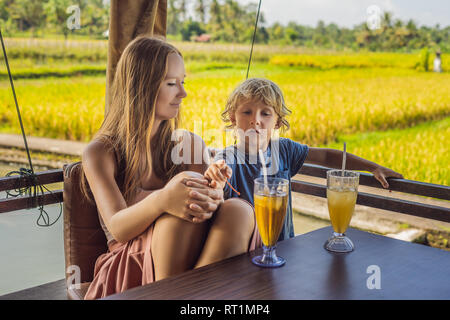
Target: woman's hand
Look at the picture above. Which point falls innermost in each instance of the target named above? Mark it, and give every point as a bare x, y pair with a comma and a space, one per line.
204, 198
381, 173
188, 196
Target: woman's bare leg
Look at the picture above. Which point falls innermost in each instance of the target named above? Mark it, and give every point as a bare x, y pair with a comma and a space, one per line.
176, 245
230, 232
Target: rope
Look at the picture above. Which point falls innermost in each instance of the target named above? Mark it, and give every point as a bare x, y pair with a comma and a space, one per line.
28, 174
15, 100
253, 40
43, 219
248, 69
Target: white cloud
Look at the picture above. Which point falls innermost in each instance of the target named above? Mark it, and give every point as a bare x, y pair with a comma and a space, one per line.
350, 12
388, 5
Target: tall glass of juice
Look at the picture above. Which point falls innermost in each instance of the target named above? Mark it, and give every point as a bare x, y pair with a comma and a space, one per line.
271, 198
342, 191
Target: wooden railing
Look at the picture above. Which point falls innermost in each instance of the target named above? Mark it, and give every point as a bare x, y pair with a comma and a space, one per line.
29, 201
381, 202
371, 200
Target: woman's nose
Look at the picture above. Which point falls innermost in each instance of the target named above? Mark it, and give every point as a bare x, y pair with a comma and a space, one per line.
182, 93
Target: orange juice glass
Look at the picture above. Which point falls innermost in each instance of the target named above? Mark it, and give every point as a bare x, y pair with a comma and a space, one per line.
342, 191
270, 198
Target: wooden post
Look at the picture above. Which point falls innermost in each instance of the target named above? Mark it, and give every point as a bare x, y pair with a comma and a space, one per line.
128, 20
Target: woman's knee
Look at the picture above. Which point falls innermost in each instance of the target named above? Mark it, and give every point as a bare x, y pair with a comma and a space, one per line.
230, 233
236, 214
176, 244
190, 174
172, 225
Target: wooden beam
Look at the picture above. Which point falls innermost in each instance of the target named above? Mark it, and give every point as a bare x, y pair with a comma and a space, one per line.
26, 202
43, 177
380, 202
400, 185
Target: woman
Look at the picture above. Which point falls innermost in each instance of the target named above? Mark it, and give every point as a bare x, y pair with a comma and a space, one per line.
160, 218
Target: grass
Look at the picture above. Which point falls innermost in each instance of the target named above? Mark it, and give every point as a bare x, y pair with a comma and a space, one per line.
365, 100
420, 153
47, 72
96, 51
60, 88
358, 60
331, 102
48, 50
69, 108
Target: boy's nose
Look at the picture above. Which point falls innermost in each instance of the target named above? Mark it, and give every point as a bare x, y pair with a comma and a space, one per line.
255, 122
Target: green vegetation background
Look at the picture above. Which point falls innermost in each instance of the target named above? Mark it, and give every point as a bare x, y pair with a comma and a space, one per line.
370, 88
225, 21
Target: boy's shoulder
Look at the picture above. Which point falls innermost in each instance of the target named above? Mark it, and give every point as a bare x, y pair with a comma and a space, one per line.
288, 144
291, 151
228, 153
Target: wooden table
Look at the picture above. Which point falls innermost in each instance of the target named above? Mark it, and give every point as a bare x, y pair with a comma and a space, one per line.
406, 271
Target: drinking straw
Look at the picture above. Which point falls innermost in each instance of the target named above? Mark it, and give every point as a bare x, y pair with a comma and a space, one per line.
344, 158
263, 163
208, 161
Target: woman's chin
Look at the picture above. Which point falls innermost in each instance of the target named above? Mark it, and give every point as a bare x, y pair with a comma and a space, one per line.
168, 116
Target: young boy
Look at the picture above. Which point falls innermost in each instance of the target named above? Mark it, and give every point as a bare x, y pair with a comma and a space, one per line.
255, 109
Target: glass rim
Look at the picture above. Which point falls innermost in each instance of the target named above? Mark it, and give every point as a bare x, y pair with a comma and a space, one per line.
272, 181
353, 174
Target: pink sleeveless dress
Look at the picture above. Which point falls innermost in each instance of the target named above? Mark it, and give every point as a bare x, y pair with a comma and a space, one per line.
128, 265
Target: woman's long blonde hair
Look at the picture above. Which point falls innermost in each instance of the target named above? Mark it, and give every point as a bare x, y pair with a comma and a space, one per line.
128, 123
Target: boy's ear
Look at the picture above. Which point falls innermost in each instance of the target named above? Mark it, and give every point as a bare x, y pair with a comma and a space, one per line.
279, 123
232, 118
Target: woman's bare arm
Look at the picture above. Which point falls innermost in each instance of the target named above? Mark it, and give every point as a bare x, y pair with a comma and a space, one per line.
123, 222
203, 197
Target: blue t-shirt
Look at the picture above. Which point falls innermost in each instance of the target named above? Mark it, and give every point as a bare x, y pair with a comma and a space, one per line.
246, 168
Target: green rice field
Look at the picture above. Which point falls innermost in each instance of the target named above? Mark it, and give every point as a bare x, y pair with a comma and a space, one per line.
384, 107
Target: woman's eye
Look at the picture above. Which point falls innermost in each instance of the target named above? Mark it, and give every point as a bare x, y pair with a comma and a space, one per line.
266, 114
246, 112
172, 84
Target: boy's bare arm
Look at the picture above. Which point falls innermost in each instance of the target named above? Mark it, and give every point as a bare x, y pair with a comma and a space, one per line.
332, 158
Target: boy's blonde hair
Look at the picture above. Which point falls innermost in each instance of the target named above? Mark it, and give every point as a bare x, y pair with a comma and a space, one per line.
258, 89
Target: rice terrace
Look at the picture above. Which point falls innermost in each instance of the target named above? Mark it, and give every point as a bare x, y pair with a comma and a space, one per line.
400, 111
368, 79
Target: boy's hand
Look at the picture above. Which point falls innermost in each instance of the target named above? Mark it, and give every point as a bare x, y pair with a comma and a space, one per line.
381, 173
218, 173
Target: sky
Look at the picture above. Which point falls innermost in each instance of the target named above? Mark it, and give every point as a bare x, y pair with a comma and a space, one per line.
347, 13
